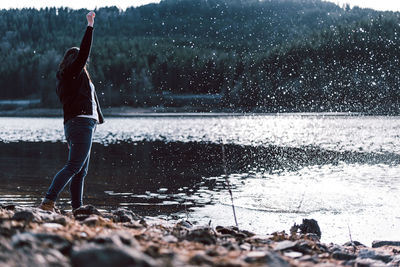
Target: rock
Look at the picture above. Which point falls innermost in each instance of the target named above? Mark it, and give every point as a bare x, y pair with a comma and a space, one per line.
37, 215
36, 257
41, 240
246, 247
93, 221
4, 244
353, 244
369, 263
303, 247
200, 259
310, 226
334, 247
312, 237
395, 261
85, 211
342, 256
267, 257
125, 215
95, 256
309, 258
234, 231
212, 252
118, 239
377, 244
26, 216
170, 239
284, 245
226, 230
203, 235
230, 246
8, 206
51, 217
371, 254
260, 239
52, 225
293, 254
185, 224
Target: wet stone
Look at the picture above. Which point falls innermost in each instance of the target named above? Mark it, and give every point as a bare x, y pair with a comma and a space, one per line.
342, 256
309, 258
8, 206
312, 237
333, 247
90, 256
284, 245
92, 221
4, 244
203, 235
200, 259
395, 261
369, 263
354, 244
85, 211
26, 216
170, 239
234, 231
185, 224
310, 226
377, 244
371, 254
118, 239
41, 240
125, 215
267, 257
293, 254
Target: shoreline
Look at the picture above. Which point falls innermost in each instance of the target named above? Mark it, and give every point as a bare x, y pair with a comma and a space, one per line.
32, 237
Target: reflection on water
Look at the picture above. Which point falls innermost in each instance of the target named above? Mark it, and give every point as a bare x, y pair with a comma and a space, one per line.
173, 171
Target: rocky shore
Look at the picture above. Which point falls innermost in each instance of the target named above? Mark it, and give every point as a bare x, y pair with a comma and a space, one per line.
32, 237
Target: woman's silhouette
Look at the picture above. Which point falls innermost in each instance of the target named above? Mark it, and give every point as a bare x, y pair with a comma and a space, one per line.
81, 115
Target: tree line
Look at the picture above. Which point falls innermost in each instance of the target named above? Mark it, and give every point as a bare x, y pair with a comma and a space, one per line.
272, 56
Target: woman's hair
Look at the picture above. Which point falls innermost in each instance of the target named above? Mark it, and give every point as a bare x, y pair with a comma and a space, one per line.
68, 58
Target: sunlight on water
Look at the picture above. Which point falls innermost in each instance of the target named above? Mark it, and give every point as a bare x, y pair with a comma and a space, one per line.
339, 133
363, 197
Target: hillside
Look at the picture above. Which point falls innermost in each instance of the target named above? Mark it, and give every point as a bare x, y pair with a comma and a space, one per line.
283, 55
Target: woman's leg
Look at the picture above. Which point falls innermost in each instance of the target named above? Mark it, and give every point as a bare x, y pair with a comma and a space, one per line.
79, 132
76, 185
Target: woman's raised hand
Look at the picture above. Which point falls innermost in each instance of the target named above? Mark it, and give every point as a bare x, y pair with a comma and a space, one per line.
90, 18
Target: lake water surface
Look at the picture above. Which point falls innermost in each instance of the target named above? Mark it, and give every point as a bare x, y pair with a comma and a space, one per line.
340, 170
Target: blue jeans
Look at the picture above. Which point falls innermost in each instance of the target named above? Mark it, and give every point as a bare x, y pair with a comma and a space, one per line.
78, 132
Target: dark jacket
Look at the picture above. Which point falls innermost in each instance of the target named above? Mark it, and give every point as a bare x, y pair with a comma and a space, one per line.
73, 86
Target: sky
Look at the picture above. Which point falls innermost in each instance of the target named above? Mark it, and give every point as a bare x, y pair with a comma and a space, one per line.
393, 5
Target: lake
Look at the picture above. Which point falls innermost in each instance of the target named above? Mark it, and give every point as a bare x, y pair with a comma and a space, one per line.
342, 171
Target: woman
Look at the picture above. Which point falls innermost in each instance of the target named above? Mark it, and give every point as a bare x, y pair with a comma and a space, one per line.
81, 115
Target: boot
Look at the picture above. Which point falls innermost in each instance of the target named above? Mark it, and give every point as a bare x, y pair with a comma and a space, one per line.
47, 204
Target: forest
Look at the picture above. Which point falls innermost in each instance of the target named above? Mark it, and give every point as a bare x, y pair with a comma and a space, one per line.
247, 55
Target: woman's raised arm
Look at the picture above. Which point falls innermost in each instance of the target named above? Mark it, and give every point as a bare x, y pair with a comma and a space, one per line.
76, 67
